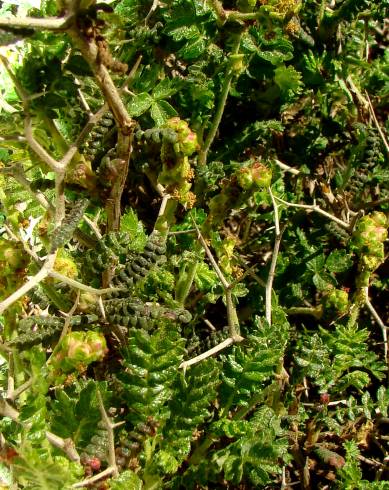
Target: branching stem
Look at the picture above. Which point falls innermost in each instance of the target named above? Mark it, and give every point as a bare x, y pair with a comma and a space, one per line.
317, 209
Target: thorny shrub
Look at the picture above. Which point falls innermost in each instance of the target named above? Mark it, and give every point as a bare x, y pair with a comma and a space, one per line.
192, 244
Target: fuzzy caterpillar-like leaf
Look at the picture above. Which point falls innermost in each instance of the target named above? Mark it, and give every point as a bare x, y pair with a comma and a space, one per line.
138, 268
144, 34
135, 313
340, 233
64, 232
197, 346
369, 154
111, 250
98, 446
30, 334
157, 135
94, 144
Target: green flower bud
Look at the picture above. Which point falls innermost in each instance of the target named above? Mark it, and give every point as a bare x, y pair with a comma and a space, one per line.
262, 175
177, 124
78, 349
256, 174
371, 262
189, 144
66, 266
337, 301
245, 178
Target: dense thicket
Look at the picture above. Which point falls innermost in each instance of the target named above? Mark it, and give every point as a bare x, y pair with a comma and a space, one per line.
193, 221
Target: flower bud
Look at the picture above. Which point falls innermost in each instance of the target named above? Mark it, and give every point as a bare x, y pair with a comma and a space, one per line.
337, 301
79, 349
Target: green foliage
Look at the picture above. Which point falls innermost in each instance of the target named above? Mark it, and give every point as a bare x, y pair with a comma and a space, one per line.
245, 369
209, 115
40, 470
190, 407
151, 363
75, 415
338, 360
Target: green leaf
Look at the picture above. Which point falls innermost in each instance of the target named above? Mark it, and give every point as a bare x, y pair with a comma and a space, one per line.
161, 111
338, 261
127, 480
288, 79
274, 57
166, 88
129, 223
193, 48
77, 416
37, 469
323, 281
139, 104
184, 32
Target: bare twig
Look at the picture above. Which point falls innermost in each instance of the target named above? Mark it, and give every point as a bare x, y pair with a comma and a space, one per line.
272, 270
66, 445
80, 285
210, 352
286, 167
109, 426
379, 321
276, 216
153, 8
69, 317
21, 389
95, 478
232, 318
51, 24
30, 284
317, 209
371, 109
11, 377
93, 226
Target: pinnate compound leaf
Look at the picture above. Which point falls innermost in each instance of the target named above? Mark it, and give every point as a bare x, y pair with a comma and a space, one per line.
190, 406
151, 362
249, 366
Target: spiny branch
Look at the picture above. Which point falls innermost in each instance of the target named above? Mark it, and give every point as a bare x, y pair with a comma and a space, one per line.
232, 318
317, 209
